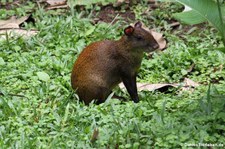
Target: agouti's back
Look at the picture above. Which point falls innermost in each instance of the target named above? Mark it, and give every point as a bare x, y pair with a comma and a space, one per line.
104, 64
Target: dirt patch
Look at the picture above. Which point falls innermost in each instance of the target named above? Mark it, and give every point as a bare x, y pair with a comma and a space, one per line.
11, 5
110, 14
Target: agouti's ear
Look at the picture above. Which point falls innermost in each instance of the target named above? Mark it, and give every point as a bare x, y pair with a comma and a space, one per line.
138, 24
129, 30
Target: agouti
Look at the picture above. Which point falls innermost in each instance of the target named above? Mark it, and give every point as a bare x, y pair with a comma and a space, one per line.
104, 64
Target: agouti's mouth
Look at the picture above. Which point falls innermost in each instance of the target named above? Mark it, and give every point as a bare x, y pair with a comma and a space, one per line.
156, 46
151, 48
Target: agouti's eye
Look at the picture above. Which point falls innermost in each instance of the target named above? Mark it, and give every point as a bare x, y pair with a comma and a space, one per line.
139, 38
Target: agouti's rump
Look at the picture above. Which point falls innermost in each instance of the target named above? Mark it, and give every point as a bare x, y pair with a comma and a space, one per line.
92, 70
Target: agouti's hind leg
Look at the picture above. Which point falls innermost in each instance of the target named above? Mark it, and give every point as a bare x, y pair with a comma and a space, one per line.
101, 94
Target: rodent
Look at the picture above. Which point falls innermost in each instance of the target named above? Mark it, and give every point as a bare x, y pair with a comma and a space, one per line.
104, 64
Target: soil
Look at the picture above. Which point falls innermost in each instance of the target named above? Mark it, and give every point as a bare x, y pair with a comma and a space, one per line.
110, 14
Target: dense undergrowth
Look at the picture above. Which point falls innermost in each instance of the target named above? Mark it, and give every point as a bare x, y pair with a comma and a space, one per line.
38, 108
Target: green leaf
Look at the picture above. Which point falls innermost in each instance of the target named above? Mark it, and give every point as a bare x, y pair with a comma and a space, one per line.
128, 146
221, 49
17, 48
189, 17
205, 8
43, 76
91, 30
2, 62
66, 113
184, 72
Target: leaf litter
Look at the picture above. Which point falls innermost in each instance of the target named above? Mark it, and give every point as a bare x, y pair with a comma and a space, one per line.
11, 28
188, 84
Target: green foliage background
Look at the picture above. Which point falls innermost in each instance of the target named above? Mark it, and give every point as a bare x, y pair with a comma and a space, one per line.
38, 108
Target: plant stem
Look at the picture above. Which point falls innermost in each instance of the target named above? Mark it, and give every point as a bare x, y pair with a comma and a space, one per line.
222, 23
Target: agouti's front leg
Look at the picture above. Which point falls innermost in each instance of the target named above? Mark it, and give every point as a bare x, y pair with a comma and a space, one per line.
130, 83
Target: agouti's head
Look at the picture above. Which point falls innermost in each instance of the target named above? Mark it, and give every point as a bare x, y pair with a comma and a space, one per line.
140, 38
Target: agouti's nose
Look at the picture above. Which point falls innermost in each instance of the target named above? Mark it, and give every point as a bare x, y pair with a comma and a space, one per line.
156, 46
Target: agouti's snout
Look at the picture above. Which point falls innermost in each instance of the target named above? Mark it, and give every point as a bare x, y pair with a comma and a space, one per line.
155, 46
104, 64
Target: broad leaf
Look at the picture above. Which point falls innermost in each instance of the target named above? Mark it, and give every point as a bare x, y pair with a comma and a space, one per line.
43, 76
205, 8
189, 17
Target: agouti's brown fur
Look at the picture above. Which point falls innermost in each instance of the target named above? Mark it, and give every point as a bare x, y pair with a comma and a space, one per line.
104, 64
